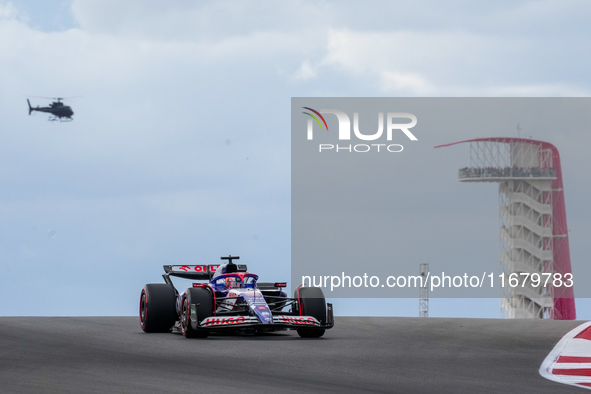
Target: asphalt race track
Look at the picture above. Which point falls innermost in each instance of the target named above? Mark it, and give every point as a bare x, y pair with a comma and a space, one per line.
373, 355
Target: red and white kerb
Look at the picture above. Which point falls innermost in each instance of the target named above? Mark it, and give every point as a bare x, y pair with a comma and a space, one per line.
570, 360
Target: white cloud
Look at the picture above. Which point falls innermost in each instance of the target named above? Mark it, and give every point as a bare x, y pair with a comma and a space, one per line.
394, 81
439, 63
306, 71
210, 203
539, 90
8, 11
452, 57
194, 21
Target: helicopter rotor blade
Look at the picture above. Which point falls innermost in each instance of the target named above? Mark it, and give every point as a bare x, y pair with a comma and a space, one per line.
55, 98
49, 98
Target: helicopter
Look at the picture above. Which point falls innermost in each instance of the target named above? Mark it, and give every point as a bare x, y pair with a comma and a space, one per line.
57, 109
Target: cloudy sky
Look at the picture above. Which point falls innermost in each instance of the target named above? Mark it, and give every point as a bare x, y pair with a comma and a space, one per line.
180, 147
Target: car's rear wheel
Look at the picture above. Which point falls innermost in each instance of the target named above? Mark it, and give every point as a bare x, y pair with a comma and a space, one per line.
202, 298
311, 302
157, 307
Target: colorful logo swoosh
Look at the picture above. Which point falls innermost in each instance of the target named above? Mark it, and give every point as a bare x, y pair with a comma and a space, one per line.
315, 118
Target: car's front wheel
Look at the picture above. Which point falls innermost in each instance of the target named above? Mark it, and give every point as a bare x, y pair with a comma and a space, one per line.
311, 302
202, 299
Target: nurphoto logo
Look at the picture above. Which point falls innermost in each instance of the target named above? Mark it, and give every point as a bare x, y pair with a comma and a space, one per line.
344, 132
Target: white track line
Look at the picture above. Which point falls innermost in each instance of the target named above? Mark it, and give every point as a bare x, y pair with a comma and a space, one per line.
573, 365
550, 362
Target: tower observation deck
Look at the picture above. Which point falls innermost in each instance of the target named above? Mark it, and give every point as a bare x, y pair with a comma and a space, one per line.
533, 233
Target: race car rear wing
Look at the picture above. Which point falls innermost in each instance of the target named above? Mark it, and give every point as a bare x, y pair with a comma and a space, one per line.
195, 272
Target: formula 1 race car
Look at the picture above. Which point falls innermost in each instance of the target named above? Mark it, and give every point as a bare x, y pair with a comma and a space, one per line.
232, 300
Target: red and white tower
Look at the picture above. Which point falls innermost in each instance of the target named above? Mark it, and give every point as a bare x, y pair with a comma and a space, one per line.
533, 234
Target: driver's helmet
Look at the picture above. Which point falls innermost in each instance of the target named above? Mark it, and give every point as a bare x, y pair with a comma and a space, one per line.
233, 283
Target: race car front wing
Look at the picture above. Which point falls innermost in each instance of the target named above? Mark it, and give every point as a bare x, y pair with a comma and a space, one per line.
285, 321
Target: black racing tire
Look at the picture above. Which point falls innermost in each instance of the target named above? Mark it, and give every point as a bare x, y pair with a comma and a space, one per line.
157, 307
311, 302
202, 298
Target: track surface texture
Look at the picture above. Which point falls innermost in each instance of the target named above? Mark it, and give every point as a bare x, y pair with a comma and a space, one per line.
372, 355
